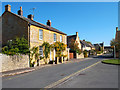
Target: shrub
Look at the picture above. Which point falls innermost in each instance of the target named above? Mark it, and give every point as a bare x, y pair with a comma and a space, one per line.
16, 46
85, 53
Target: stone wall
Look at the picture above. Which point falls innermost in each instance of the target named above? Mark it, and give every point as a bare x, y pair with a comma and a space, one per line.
14, 62
79, 56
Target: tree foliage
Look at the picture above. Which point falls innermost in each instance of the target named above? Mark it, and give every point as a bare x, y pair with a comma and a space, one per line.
16, 46
74, 47
34, 53
59, 47
113, 42
46, 46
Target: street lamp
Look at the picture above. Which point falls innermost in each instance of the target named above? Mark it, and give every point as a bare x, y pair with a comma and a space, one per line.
114, 53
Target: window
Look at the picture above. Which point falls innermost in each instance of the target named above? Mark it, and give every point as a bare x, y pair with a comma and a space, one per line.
40, 34
41, 50
54, 37
60, 38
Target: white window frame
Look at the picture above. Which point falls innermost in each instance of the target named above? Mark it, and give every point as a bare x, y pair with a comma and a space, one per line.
55, 37
60, 38
41, 50
40, 34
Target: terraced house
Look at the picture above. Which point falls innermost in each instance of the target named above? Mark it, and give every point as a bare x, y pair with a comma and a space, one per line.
36, 33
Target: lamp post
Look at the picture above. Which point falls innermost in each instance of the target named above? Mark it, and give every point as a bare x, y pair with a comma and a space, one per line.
114, 53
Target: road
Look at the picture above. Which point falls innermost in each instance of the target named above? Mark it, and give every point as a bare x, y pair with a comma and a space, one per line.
47, 76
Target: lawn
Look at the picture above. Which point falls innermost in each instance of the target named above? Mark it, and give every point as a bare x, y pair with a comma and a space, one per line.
112, 61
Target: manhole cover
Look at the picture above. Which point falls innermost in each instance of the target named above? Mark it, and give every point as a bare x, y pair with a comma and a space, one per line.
62, 75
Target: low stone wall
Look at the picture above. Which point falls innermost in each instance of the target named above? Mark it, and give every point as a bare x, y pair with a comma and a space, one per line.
14, 62
79, 56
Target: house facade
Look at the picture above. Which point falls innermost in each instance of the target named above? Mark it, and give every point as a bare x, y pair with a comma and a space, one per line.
16, 25
99, 46
85, 45
117, 39
76, 39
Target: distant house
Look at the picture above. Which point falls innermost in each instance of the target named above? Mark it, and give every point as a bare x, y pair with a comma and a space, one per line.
108, 49
99, 46
76, 39
117, 39
16, 25
86, 46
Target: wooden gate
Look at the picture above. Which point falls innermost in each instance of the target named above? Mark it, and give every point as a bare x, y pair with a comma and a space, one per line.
71, 55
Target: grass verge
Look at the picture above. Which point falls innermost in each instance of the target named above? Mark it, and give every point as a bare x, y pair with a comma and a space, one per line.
112, 61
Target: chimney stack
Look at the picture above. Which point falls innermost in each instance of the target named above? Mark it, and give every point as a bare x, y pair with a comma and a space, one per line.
77, 33
20, 12
30, 16
116, 28
49, 23
8, 8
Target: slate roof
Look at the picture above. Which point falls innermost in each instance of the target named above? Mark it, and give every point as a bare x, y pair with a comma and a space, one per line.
85, 43
32, 22
100, 44
92, 45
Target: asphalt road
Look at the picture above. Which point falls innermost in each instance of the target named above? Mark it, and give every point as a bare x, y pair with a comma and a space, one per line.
100, 76
48, 75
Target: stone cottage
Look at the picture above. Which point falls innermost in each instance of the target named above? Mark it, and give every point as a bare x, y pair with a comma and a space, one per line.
36, 33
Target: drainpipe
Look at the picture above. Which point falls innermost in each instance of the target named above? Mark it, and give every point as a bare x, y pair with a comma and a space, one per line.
29, 40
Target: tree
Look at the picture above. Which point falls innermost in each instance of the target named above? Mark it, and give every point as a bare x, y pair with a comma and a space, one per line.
88, 42
46, 50
113, 42
74, 47
16, 46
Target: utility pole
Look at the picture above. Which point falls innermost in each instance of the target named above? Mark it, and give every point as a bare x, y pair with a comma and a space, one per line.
114, 53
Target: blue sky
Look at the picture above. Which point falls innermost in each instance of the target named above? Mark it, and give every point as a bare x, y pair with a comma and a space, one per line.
94, 21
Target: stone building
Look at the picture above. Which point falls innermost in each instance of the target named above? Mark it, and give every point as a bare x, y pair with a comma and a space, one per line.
16, 25
117, 39
86, 46
76, 39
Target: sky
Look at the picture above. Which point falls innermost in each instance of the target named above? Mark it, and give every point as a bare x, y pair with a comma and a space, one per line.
94, 21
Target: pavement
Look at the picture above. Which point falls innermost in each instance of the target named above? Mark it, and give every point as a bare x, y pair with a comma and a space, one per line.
44, 77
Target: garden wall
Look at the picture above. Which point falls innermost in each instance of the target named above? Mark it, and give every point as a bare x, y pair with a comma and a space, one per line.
79, 56
14, 62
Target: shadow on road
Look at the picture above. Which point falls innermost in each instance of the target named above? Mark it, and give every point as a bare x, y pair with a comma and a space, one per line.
104, 56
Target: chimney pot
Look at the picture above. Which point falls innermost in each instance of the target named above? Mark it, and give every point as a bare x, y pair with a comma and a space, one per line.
30, 16
20, 12
21, 8
8, 8
49, 23
116, 28
77, 33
